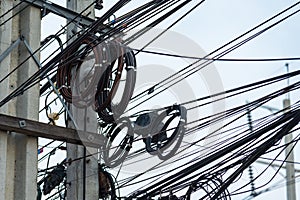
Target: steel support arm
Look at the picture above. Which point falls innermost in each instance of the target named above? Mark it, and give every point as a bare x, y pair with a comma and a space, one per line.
48, 6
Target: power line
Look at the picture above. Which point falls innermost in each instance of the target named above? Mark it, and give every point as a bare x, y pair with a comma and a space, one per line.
219, 59
181, 75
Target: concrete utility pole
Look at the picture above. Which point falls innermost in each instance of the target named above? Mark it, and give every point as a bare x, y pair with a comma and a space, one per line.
289, 153
290, 168
18, 153
82, 175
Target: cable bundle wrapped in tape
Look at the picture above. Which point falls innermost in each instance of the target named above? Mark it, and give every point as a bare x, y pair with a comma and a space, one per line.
84, 83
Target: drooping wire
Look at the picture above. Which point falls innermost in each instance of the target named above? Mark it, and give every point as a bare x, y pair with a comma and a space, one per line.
160, 84
219, 59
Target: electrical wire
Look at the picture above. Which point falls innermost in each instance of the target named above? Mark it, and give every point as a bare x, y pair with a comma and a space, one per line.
272, 97
171, 176
36, 51
219, 59
11, 9
49, 66
17, 13
201, 66
277, 171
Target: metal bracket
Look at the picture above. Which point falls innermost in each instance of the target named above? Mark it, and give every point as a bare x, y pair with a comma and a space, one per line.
9, 49
47, 7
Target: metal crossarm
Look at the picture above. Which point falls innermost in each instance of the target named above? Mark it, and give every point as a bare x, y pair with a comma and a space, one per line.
47, 7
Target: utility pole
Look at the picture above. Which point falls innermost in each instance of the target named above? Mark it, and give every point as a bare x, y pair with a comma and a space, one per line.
18, 153
289, 153
82, 176
290, 168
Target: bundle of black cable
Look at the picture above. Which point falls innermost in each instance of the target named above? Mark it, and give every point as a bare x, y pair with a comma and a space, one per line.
54, 178
84, 83
80, 91
121, 68
158, 142
120, 137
